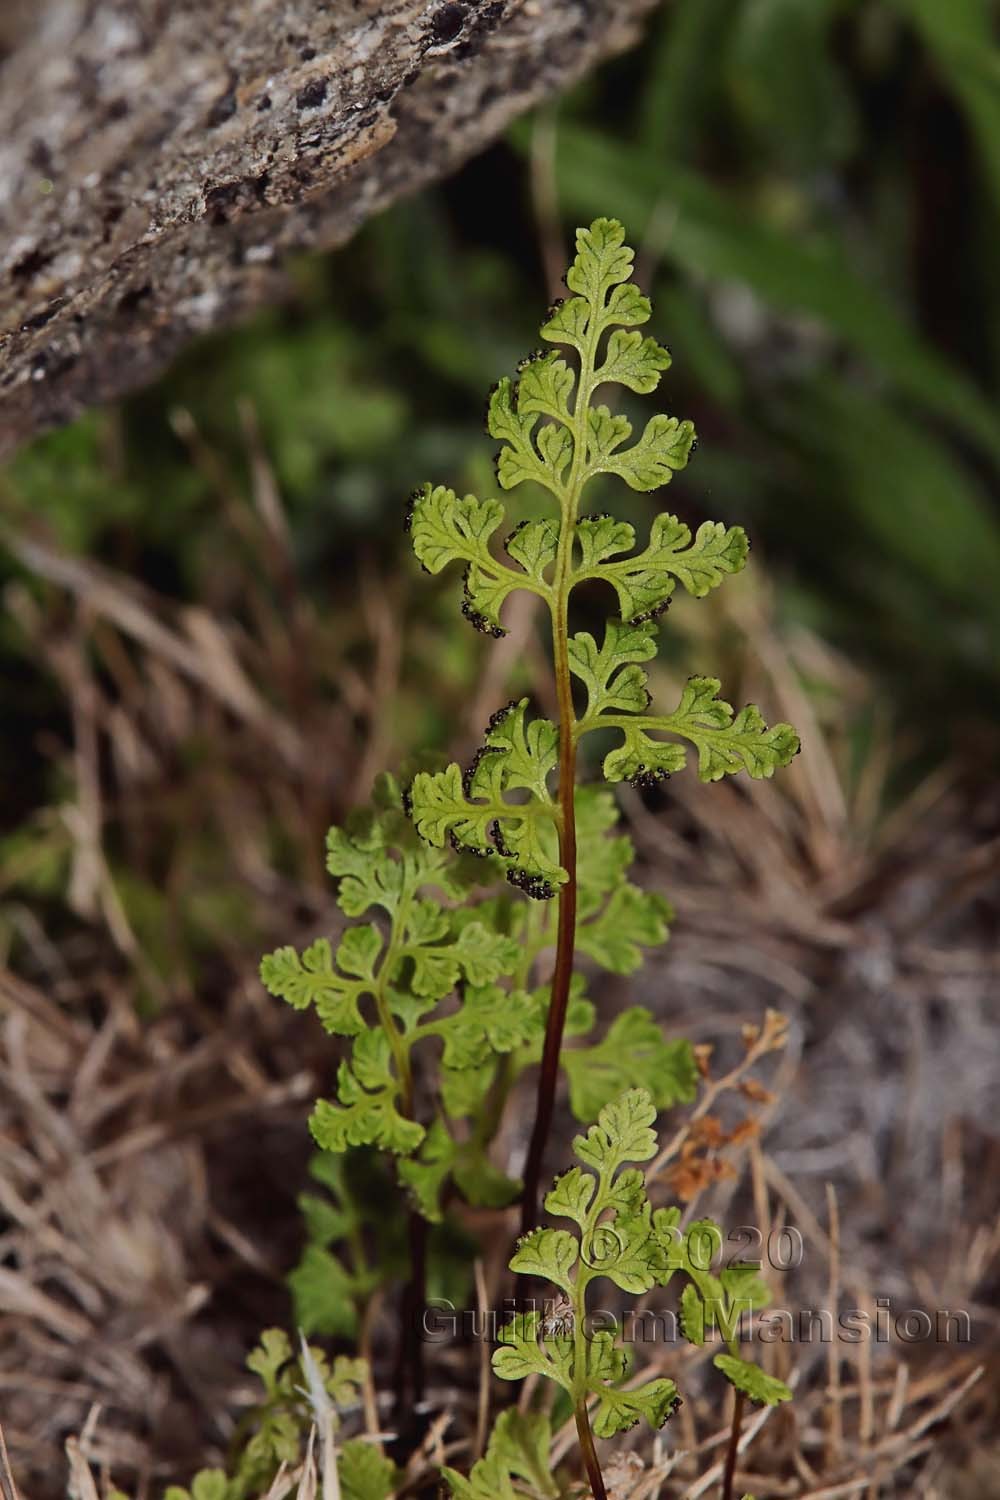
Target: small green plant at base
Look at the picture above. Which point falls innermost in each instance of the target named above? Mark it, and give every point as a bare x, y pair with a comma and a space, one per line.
300, 1393
620, 1237
436, 993
518, 1449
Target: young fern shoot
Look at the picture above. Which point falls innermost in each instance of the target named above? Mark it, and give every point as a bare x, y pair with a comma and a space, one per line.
614, 1236
619, 1236
554, 435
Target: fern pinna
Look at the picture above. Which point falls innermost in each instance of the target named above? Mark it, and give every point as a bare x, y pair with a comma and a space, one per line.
436, 991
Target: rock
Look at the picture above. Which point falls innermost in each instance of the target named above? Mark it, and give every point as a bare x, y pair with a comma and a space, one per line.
159, 159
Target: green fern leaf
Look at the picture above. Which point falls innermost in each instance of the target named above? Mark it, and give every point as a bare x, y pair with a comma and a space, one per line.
521, 1440
604, 435
650, 463
617, 1237
622, 1133
519, 1446
533, 544
446, 529
571, 1195
614, 681
765, 1390
619, 1410
692, 1315
312, 980
364, 1471
745, 1287
633, 1054
726, 744
530, 748
551, 1253
627, 1252
483, 954
324, 1294
367, 1113
273, 1351
480, 1182
210, 1484
378, 856
631, 920
601, 861
634, 361
471, 810
426, 1175
368, 1120
488, 1480
476, 953
603, 260
464, 1090
522, 1354
513, 422
393, 857
645, 582
545, 388
599, 537
491, 1021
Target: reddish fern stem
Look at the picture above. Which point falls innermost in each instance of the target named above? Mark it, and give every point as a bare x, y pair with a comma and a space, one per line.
566, 938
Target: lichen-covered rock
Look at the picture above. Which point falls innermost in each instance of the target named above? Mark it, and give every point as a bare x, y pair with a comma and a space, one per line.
159, 158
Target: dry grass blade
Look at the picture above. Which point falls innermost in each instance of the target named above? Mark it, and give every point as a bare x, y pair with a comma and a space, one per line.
834, 1430
208, 658
8, 1484
82, 1485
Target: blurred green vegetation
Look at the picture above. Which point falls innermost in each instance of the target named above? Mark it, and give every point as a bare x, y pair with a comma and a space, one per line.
815, 188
